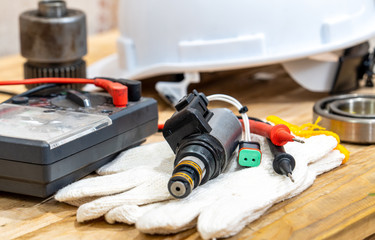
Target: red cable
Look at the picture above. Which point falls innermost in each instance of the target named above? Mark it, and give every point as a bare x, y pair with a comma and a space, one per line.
160, 126
279, 134
118, 91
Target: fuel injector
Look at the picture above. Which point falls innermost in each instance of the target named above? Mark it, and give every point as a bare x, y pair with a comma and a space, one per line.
203, 141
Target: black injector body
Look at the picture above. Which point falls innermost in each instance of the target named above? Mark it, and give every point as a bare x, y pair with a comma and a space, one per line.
203, 140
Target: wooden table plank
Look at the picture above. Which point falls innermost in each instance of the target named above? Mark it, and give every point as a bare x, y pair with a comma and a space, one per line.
337, 206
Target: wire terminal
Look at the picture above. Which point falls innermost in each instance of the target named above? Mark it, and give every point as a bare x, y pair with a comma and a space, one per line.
249, 154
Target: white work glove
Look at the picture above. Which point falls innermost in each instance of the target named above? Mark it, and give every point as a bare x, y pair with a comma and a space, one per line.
137, 176
222, 206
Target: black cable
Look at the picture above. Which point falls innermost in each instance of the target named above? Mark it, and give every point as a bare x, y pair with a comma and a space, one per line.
8, 93
32, 91
253, 118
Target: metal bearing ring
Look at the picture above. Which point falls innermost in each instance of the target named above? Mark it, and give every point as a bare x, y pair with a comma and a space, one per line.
351, 116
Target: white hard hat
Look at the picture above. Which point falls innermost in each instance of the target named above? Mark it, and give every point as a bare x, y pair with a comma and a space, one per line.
192, 36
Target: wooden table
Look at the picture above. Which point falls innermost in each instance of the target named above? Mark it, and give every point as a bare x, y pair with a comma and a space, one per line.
337, 206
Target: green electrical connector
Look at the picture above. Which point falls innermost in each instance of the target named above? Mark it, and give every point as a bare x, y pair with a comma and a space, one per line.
249, 154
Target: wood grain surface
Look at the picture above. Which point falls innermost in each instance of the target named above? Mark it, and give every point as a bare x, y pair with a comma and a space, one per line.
339, 205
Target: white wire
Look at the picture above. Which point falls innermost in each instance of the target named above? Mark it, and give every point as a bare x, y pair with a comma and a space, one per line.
238, 105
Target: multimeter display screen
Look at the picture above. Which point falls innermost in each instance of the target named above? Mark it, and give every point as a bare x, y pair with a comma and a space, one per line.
54, 127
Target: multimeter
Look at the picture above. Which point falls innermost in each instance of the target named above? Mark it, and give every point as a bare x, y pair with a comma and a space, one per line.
56, 135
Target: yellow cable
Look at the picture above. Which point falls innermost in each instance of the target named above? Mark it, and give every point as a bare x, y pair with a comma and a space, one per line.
311, 129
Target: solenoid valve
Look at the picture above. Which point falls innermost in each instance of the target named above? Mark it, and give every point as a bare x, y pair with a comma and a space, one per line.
204, 140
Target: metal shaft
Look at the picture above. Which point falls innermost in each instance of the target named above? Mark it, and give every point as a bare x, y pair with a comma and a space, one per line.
53, 40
